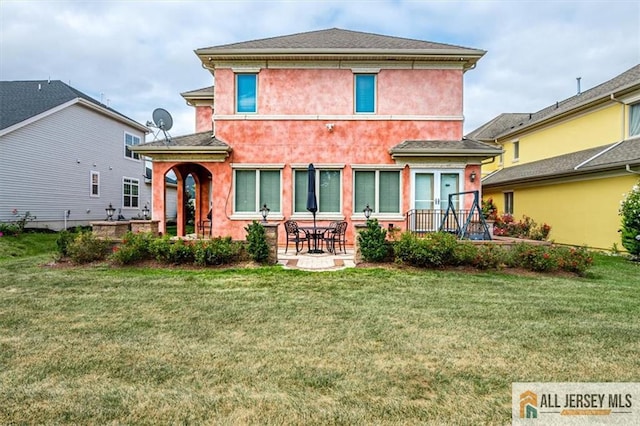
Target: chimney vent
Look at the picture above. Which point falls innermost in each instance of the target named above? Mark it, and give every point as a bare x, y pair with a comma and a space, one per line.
578, 80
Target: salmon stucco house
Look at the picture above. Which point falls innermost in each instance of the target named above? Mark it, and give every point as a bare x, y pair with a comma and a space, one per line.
380, 118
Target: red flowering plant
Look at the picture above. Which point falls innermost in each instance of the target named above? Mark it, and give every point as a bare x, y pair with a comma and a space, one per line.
489, 209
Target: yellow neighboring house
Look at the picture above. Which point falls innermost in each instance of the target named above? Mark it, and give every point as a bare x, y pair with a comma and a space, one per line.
569, 164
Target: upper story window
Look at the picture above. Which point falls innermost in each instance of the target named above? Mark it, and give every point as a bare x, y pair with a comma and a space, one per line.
246, 93
634, 119
130, 192
255, 188
508, 202
365, 93
131, 140
516, 151
328, 191
380, 189
95, 184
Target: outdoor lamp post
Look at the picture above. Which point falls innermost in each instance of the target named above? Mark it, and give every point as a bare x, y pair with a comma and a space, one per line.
265, 211
110, 211
145, 212
367, 212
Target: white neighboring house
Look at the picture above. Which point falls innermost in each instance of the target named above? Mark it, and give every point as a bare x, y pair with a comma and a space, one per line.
64, 157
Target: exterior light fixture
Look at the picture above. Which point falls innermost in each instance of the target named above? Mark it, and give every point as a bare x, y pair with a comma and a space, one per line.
265, 211
110, 211
472, 176
145, 212
367, 212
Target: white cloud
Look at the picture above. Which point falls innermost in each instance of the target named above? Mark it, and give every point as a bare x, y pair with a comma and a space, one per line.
139, 54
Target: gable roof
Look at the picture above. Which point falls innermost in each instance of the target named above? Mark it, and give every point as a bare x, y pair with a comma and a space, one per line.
602, 158
196, 142
22, 100
335, 42
506, 124
206, 93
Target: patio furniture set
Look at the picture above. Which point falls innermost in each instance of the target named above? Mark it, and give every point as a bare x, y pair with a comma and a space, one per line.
316, 237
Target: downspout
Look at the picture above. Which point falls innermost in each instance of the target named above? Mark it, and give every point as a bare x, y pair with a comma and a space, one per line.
613, 98
628, 168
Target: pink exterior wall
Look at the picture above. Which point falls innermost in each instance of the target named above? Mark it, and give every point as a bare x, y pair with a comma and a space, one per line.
432, 98
203, 119
330, 92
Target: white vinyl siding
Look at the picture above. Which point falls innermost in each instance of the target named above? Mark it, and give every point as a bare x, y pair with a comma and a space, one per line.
71, 143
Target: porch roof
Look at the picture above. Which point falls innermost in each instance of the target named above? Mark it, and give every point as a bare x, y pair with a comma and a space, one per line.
598, 159
203, 142
444, 148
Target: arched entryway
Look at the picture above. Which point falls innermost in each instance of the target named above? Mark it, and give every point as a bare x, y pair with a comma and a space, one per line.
203, 179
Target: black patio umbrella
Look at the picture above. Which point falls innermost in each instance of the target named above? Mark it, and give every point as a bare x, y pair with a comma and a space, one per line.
312, 203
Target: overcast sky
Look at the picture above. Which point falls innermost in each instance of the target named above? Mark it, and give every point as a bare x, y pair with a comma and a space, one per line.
139, 54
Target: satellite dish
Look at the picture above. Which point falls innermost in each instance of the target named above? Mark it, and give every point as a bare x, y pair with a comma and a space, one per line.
162, 119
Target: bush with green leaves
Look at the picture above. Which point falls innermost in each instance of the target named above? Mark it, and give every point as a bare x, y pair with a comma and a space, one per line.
630, 212
87, 248
65, 238
435, 249
135, 247
257, 248
217, 251
373, 242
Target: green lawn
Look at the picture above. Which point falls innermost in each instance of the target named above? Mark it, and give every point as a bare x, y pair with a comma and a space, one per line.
362, 346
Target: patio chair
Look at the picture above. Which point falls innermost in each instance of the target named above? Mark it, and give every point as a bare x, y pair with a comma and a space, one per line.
336, 235
294, 234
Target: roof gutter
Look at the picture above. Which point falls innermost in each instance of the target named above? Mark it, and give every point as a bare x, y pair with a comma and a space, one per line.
613, 98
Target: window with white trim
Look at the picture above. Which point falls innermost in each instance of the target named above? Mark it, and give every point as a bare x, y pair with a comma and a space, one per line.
94, 182
247, 93
328, 190
130, 193
131, 140
254, 188
380, 189
634, 119
508, 202
365, 93
516, 151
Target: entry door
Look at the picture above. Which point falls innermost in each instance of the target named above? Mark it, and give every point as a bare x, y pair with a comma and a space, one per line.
431, 191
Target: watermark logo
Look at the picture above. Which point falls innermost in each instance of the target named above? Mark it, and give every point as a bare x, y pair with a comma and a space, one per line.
528, 405
575, 403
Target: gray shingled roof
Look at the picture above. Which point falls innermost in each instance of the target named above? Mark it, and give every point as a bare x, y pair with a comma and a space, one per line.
199, 93
464, 147
604, 157
343, 44
21, 100
515, 122
202, 139
489, 130
336, 38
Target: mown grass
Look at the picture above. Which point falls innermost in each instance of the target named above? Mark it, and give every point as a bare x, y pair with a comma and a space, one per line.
263, 346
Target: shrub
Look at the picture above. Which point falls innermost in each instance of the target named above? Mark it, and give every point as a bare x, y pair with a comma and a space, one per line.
217, 251
86, 248
134, 248
489, 209
490, 256
465, 253
630, 212
65, 238
181, 252
535, 258
160, 249
373, 242
436, 249
257, 238
576, 260
9, 229
505, 225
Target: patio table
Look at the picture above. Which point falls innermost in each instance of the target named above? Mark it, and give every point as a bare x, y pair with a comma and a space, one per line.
315, 233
